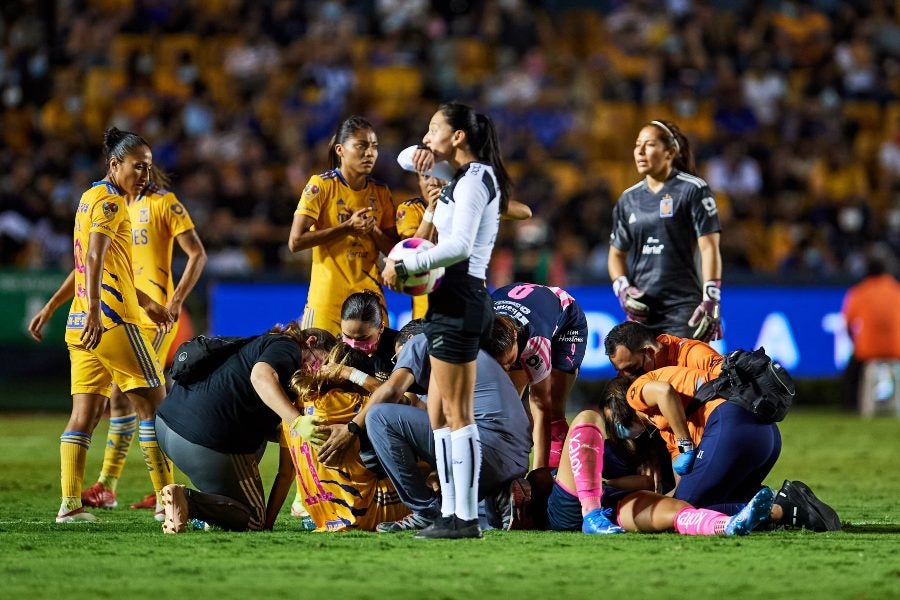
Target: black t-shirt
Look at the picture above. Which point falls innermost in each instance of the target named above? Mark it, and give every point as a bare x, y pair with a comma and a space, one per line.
659, 232
223, 412
383, 358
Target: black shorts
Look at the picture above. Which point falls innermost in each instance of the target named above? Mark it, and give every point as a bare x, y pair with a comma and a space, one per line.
460, 315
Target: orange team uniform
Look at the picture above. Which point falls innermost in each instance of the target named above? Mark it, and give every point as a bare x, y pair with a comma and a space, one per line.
685, 381
346, 497
157, 218
870, 309
409, 217
350, 263
694, 354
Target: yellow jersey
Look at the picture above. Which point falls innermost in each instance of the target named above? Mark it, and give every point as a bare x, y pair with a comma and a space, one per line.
350, 496
348, 264
157, 218
102, 210
409, 217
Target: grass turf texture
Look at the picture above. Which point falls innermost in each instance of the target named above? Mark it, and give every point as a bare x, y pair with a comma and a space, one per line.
850, 463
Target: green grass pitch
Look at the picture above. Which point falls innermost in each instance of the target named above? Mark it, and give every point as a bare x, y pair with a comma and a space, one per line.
851, 463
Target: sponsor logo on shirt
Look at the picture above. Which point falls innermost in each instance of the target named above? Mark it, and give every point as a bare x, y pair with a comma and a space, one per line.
76, 320
666, 206
177, 208
652, 246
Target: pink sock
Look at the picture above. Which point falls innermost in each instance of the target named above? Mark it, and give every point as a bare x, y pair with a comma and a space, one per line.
586, 457
700, 521
558, 431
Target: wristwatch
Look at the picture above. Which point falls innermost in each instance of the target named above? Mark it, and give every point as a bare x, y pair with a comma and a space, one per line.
400, 269
353, 428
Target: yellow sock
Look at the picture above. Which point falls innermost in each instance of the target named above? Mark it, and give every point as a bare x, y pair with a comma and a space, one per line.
73, 448
159, 466
118, 441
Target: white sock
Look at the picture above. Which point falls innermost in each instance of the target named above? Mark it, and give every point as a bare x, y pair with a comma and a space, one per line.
466, 469
443, 455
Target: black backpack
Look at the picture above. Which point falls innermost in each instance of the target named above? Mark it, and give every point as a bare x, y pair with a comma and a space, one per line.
754, 381
196, 358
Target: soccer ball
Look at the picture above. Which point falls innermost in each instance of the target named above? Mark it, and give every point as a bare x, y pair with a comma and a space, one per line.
423, 282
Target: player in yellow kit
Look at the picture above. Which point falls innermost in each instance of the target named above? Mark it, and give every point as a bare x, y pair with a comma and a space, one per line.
158, 219
347, 495
106, 344
414, 219
347, 218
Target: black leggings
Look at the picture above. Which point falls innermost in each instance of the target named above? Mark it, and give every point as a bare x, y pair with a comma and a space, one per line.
231, 492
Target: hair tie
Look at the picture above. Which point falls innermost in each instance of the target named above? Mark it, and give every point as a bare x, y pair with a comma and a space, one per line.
662, 126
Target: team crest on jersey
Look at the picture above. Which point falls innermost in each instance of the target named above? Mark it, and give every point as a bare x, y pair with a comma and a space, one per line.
401, 213
110, 209
311, 190
177, 208
144, 215
666, 206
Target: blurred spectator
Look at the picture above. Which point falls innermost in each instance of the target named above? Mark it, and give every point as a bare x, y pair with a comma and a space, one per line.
873, 323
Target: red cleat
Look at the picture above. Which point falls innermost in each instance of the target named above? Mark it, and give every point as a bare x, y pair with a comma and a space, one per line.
149, 502
99, 496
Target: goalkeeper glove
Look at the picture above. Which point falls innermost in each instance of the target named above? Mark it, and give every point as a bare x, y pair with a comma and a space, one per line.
629, 299
684, 462
706, 318
309, 428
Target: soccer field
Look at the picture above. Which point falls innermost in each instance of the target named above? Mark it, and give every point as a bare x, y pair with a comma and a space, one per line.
850, 463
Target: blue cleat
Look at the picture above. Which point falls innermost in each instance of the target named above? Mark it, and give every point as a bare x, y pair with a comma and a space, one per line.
598, 522
756, 511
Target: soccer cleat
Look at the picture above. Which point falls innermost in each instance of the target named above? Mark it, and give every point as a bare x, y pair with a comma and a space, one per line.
99, 496
803, 510
149, 502
599, 522
411, 522
78, 515
298, 510
756, 511
512, 505
451, 528
175, 506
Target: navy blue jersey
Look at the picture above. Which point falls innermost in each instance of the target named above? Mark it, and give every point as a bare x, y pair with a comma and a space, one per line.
552, 327
659, 231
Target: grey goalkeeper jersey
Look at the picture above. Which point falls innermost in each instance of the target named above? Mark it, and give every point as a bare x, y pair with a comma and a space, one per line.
659, 233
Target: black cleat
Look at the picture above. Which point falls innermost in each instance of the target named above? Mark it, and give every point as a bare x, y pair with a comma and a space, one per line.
452, 528
803, 510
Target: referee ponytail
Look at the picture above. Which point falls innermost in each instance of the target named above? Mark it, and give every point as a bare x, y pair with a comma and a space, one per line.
675, 139
483, 142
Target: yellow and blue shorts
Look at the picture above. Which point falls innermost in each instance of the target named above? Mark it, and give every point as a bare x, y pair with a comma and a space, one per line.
124, 356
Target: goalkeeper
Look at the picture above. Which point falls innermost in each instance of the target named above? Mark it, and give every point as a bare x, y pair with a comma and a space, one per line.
660, 225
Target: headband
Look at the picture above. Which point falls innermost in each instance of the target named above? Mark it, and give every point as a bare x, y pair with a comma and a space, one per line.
662, 126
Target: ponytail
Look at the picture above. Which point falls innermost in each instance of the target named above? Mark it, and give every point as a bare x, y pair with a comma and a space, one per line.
118, 143
483, 142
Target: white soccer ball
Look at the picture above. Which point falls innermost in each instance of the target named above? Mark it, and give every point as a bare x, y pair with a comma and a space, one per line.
423, 282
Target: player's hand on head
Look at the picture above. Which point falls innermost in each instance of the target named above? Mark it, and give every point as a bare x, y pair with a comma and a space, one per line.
423, 160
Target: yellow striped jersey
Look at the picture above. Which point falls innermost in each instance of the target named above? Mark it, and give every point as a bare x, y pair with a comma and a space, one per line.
350, 496
157, 217
348, 264
102, 210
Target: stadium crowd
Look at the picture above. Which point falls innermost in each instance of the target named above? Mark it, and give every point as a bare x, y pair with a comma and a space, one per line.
793, 109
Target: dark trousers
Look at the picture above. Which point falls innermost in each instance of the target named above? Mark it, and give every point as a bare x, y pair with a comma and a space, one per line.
401, 436
230, 492
734, 457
